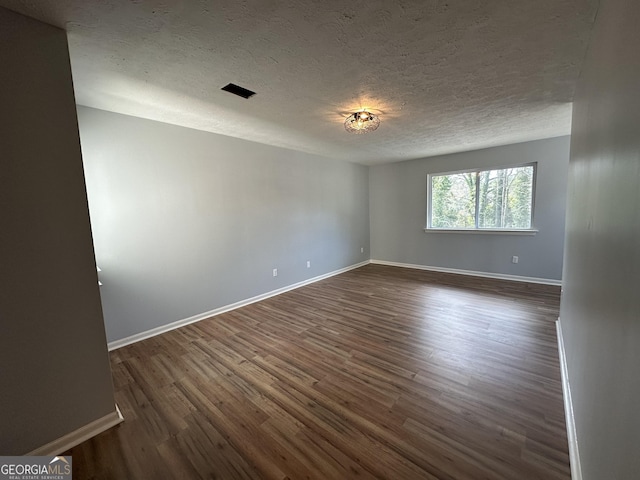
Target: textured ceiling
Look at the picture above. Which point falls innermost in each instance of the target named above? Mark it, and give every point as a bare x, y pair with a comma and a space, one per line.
444, 76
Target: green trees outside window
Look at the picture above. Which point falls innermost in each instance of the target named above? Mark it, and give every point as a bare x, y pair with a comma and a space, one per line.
482, 199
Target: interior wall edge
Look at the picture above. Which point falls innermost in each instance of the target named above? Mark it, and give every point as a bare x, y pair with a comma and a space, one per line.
114, 345
574, 452
472, 273
76, 437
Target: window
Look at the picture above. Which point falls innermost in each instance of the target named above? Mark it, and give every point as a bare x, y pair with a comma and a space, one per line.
500, 199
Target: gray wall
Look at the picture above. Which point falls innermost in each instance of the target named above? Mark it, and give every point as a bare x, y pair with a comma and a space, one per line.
187, 221
600, 312
398, 214
55, 372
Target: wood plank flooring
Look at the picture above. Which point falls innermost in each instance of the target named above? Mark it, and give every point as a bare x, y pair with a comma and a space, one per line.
381, 372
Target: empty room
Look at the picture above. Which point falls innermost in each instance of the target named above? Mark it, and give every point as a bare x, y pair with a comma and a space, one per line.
320, 240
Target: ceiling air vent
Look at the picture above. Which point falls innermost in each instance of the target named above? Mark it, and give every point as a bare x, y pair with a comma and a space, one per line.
236, 90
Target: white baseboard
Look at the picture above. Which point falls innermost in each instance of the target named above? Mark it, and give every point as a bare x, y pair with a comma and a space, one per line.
498, 276
574, 454
70, 440
212, 313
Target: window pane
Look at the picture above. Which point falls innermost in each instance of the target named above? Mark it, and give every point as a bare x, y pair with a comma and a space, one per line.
453, 200
505, 198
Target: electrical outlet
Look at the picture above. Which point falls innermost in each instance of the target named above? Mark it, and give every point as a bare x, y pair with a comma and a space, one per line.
514, 259
308, 263
275, 272
361, 249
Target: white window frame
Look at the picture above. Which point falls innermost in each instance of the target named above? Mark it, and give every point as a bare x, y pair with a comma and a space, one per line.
476, 230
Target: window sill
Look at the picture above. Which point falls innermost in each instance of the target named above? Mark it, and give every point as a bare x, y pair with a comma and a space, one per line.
483, 231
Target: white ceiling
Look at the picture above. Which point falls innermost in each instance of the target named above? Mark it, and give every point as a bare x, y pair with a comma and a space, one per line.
444, 76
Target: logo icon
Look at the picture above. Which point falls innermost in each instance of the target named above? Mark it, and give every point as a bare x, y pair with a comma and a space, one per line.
35, 468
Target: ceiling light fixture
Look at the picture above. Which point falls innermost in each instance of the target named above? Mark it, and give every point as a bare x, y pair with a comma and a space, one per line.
361, 122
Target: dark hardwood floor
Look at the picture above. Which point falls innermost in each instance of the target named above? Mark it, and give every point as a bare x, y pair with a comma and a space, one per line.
381, 372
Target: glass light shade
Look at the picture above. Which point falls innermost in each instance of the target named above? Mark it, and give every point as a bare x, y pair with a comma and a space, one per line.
361, 122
